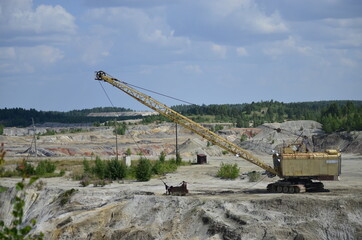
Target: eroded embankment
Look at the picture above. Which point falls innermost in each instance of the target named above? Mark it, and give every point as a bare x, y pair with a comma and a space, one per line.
96, 213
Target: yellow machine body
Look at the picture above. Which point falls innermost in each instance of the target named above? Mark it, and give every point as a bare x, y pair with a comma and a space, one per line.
318, 165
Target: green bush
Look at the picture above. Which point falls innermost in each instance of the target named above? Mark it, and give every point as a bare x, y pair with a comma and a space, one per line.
143, 170
254, 176
100, 168
161, 168
224, 152
120, 129
243, 138
116, 170
26, 169
61, 173
131, 171
86, 166
64, 197
113, 169
128, 152
228, 171
45, 167
162, 157
158, 168
49, 132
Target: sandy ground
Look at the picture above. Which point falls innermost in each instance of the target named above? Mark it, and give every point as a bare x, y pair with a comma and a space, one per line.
213, 209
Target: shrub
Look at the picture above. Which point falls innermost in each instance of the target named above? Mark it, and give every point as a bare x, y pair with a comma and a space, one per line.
100, 168
120, 129
224, 152
243, 138
116, 169
61, 173
86, 166
228, 171
25, 169
162, 157
144, 170
254, 176
45, 167
49, 132
128, 152
64, 197
131, 171
85, 181
101, 183
158, 168
161, 168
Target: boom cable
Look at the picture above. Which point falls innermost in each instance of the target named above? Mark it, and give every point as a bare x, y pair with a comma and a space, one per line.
148, 90
134, 140
161, 94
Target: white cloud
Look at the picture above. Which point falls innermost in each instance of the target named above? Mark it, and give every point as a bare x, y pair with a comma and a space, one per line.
94, 50
219, 50
193, 68
287, 47
348, 62
28, 59
241, 51
345, 32
19, 19
245, 15
344, 22
269, 24
138, 25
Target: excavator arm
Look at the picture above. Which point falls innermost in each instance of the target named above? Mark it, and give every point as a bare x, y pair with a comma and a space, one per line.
184, 121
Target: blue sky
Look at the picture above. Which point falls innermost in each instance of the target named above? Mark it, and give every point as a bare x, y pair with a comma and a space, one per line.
201, 51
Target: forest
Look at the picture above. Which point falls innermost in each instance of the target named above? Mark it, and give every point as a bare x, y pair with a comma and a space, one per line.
20, 117
334, 115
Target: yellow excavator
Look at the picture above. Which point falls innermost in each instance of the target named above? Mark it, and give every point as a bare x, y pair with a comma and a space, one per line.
296, 168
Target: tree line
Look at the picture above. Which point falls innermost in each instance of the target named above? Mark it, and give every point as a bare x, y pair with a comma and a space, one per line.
20, 117
334, 115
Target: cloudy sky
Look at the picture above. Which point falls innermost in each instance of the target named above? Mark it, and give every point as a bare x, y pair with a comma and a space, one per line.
200, 51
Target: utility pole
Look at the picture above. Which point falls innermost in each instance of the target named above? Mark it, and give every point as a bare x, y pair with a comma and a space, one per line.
176, 142
115, 129
34, 139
